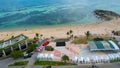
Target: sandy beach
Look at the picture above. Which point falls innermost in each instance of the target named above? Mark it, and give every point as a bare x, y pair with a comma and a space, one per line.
60, 31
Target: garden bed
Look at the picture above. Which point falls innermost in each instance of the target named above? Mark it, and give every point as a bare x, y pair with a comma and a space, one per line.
20, 63
51, 63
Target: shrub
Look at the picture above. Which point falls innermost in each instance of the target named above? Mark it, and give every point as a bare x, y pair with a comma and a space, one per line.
98, 39
112, 61
19, 63
16, 54
49, 48
51, 63
31, 47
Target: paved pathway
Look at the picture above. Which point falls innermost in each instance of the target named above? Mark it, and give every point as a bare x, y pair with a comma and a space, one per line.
4, 63
31, 61
34, 57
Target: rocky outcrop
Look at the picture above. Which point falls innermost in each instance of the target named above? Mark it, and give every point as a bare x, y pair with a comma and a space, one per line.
106, 15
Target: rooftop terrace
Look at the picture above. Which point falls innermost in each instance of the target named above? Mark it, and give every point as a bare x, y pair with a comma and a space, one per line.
12, 41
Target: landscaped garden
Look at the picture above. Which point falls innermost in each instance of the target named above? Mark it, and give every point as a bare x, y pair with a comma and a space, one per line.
51, 63
49, 48
20, 63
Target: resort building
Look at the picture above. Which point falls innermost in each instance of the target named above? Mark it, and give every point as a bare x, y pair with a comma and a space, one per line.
94, 51
15, 43
98, 52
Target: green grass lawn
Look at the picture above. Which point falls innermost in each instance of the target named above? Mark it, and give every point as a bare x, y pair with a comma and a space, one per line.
20, 63
51, 63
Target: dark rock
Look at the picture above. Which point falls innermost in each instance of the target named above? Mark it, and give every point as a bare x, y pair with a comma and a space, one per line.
106, 15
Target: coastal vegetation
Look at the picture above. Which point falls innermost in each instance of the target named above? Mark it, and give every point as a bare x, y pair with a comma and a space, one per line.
41, 35
19, 63
37, 35
116, 33
61, 40
70, 34
79, 40
88, 34
52, 37
85, 39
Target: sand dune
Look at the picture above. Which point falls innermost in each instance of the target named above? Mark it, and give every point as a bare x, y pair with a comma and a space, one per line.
60, 31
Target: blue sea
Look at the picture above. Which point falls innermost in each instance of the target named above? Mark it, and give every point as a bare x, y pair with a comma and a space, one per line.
38, 13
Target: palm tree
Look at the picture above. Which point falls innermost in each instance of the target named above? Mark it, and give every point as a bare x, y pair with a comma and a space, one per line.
37, 35
88, 34
41, 35
52, 37
68, 34
71, 36
12, 37
70, 31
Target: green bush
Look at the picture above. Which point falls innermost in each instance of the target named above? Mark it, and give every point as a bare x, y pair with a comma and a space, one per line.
31, 47
51, 63
49, 48
112, 61
16, 54
20, 63
65, 58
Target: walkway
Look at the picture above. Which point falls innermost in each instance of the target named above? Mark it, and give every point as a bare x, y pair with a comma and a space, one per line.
31, 61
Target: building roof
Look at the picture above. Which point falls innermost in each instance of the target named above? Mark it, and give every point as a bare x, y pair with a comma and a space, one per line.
12, 41
102, 45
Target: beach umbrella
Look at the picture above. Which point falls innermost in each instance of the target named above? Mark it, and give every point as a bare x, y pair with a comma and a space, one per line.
88, 60
75, 59
113, 58
119, 55
45, 43
101, 58
93, 59
46, 56
40, 56
51, 56
96, 58
79, 60
82, 59
108, 59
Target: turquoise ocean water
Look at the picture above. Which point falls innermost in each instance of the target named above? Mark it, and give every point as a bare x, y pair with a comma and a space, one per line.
37, 13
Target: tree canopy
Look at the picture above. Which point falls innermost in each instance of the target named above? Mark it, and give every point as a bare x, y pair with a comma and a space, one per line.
65, 58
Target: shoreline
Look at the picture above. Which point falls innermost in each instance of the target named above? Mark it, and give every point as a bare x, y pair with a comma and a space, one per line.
60, 31
46, 26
